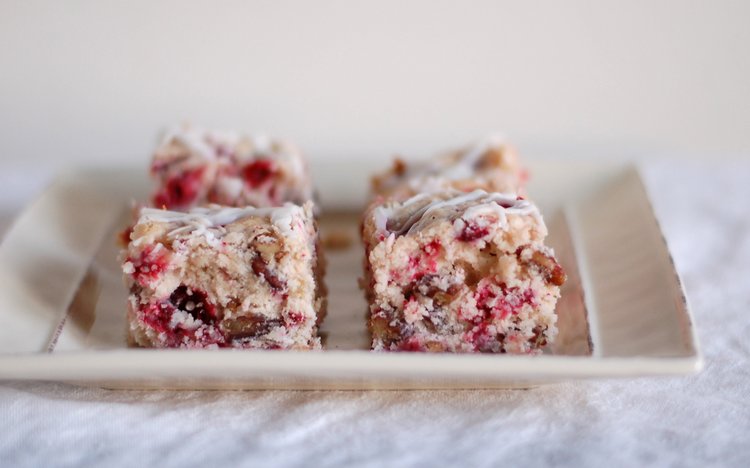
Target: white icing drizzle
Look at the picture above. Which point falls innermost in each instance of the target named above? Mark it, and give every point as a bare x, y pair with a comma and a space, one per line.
461, 205
380, 215
199, 220
451, 166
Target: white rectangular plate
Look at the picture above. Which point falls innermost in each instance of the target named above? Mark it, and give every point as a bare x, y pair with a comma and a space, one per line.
622, 313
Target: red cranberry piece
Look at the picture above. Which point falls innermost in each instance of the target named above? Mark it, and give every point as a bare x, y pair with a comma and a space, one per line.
158, 316
479, 335
149, 265
472, 232
294, 318
484, 339
432, 247
258, 172
412, 344
194, 302
421, 265
414, 267
510, 301
527, 297
180, 190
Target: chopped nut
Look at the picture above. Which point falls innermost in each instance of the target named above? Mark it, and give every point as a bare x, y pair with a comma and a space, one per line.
538, 339
249, 326
443, 298
380, 327
268, 246
399, 166
553, 272
493, 157
434, 346
260, 268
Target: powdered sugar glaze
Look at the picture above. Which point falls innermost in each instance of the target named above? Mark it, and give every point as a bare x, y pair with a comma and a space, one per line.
421, 210
199, 219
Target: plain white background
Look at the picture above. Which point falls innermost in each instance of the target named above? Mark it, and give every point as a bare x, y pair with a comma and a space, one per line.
91, 82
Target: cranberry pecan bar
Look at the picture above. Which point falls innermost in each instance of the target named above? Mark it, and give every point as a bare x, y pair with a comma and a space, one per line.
490, 164
225, 277
460, 272
194, 167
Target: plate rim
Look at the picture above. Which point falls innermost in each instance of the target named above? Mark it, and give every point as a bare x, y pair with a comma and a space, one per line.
75, 365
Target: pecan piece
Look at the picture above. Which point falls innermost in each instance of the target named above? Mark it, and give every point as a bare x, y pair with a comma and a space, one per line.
399, 167
434, 346
268, 246
380, 327
260, 268
538, 340
250, 326
553, 272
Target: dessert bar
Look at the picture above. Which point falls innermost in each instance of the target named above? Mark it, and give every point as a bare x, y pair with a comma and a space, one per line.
195, 167
225, 277
491, 165
459, 272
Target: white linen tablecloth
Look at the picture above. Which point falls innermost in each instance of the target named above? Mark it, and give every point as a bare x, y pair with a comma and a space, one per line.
702, 420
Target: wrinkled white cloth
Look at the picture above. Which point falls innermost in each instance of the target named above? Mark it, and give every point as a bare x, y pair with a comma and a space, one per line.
702, 420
